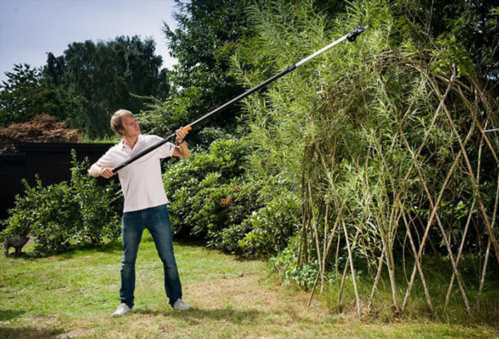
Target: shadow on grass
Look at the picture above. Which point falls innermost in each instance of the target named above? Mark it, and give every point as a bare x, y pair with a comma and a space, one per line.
9, 314
23, 255
189, 242
106, 248
196, 316
71, 251
29, 332
202, 244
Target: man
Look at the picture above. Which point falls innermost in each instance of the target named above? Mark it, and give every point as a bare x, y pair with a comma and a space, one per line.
145, 203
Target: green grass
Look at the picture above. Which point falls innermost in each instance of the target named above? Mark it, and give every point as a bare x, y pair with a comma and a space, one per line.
437, 271
73, 294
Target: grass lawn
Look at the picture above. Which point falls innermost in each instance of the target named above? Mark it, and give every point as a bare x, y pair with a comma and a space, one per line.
73, 295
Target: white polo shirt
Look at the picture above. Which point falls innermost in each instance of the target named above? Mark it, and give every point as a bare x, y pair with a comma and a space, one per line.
141, 180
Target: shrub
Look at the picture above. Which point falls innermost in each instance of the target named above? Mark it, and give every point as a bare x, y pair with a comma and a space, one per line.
49, 214
56, 216
271, 226
242, 200
97, 206
287, 266
198, 185
213, 200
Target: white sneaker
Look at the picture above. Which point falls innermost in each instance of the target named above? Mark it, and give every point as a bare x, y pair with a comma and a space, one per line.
122, 309
179, 305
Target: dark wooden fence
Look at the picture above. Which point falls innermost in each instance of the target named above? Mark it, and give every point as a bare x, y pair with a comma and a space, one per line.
50, 161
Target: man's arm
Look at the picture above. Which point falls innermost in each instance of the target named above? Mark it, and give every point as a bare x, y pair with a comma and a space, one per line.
103, 167
97, 171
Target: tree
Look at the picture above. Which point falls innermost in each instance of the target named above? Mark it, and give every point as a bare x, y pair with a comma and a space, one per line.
208, 34
22, 95
106, 76
204, 41
472, 25
86, 84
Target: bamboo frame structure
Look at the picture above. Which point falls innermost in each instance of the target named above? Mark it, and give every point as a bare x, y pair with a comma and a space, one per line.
397, 220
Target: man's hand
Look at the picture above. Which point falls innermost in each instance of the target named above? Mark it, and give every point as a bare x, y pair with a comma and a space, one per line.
182, 150
181, 133
107, 172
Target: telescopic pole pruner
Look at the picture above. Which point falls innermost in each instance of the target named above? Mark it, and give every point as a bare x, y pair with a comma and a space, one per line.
350, 37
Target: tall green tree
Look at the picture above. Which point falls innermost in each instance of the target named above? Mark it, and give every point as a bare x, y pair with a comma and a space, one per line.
205, 39
24, 94
470, 25
105, 76
86, 84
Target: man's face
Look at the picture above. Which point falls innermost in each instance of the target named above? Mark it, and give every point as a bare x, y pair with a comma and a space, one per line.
131, 126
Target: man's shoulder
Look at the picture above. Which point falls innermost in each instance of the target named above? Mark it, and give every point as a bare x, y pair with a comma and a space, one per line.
151, 138
115, 148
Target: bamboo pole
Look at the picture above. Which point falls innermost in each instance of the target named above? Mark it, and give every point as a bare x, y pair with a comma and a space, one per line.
420, 269
487, 251
343, 276
472, 177
431, 218
377, 278
446, 241
352, 270
465, 232
479, 125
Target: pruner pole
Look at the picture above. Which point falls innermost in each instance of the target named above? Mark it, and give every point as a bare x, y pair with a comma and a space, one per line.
350, 37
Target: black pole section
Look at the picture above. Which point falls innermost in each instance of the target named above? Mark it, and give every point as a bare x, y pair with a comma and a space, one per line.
350, 37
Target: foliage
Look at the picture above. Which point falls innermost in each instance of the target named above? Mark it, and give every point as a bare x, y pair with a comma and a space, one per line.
105, 76
196, 187
366, 135
206, 37
271, 226
25, 94
468, 26
48, 213
214, 201
67, 213
98, 206
85, 84
286, 264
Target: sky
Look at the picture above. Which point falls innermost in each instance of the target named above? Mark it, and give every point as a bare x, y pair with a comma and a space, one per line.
29, 29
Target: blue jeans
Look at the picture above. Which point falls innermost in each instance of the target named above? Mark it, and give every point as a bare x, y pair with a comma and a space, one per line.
155, 219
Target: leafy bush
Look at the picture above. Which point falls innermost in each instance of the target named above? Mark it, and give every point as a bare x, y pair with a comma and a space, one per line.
271, 226
48, 213
197, 186
243, 200
214, 201
287, 266
56, 216
97, 204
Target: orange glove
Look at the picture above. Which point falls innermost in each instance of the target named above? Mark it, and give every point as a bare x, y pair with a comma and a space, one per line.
181, 133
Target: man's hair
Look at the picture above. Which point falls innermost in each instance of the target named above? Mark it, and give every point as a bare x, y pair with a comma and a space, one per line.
116, 120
